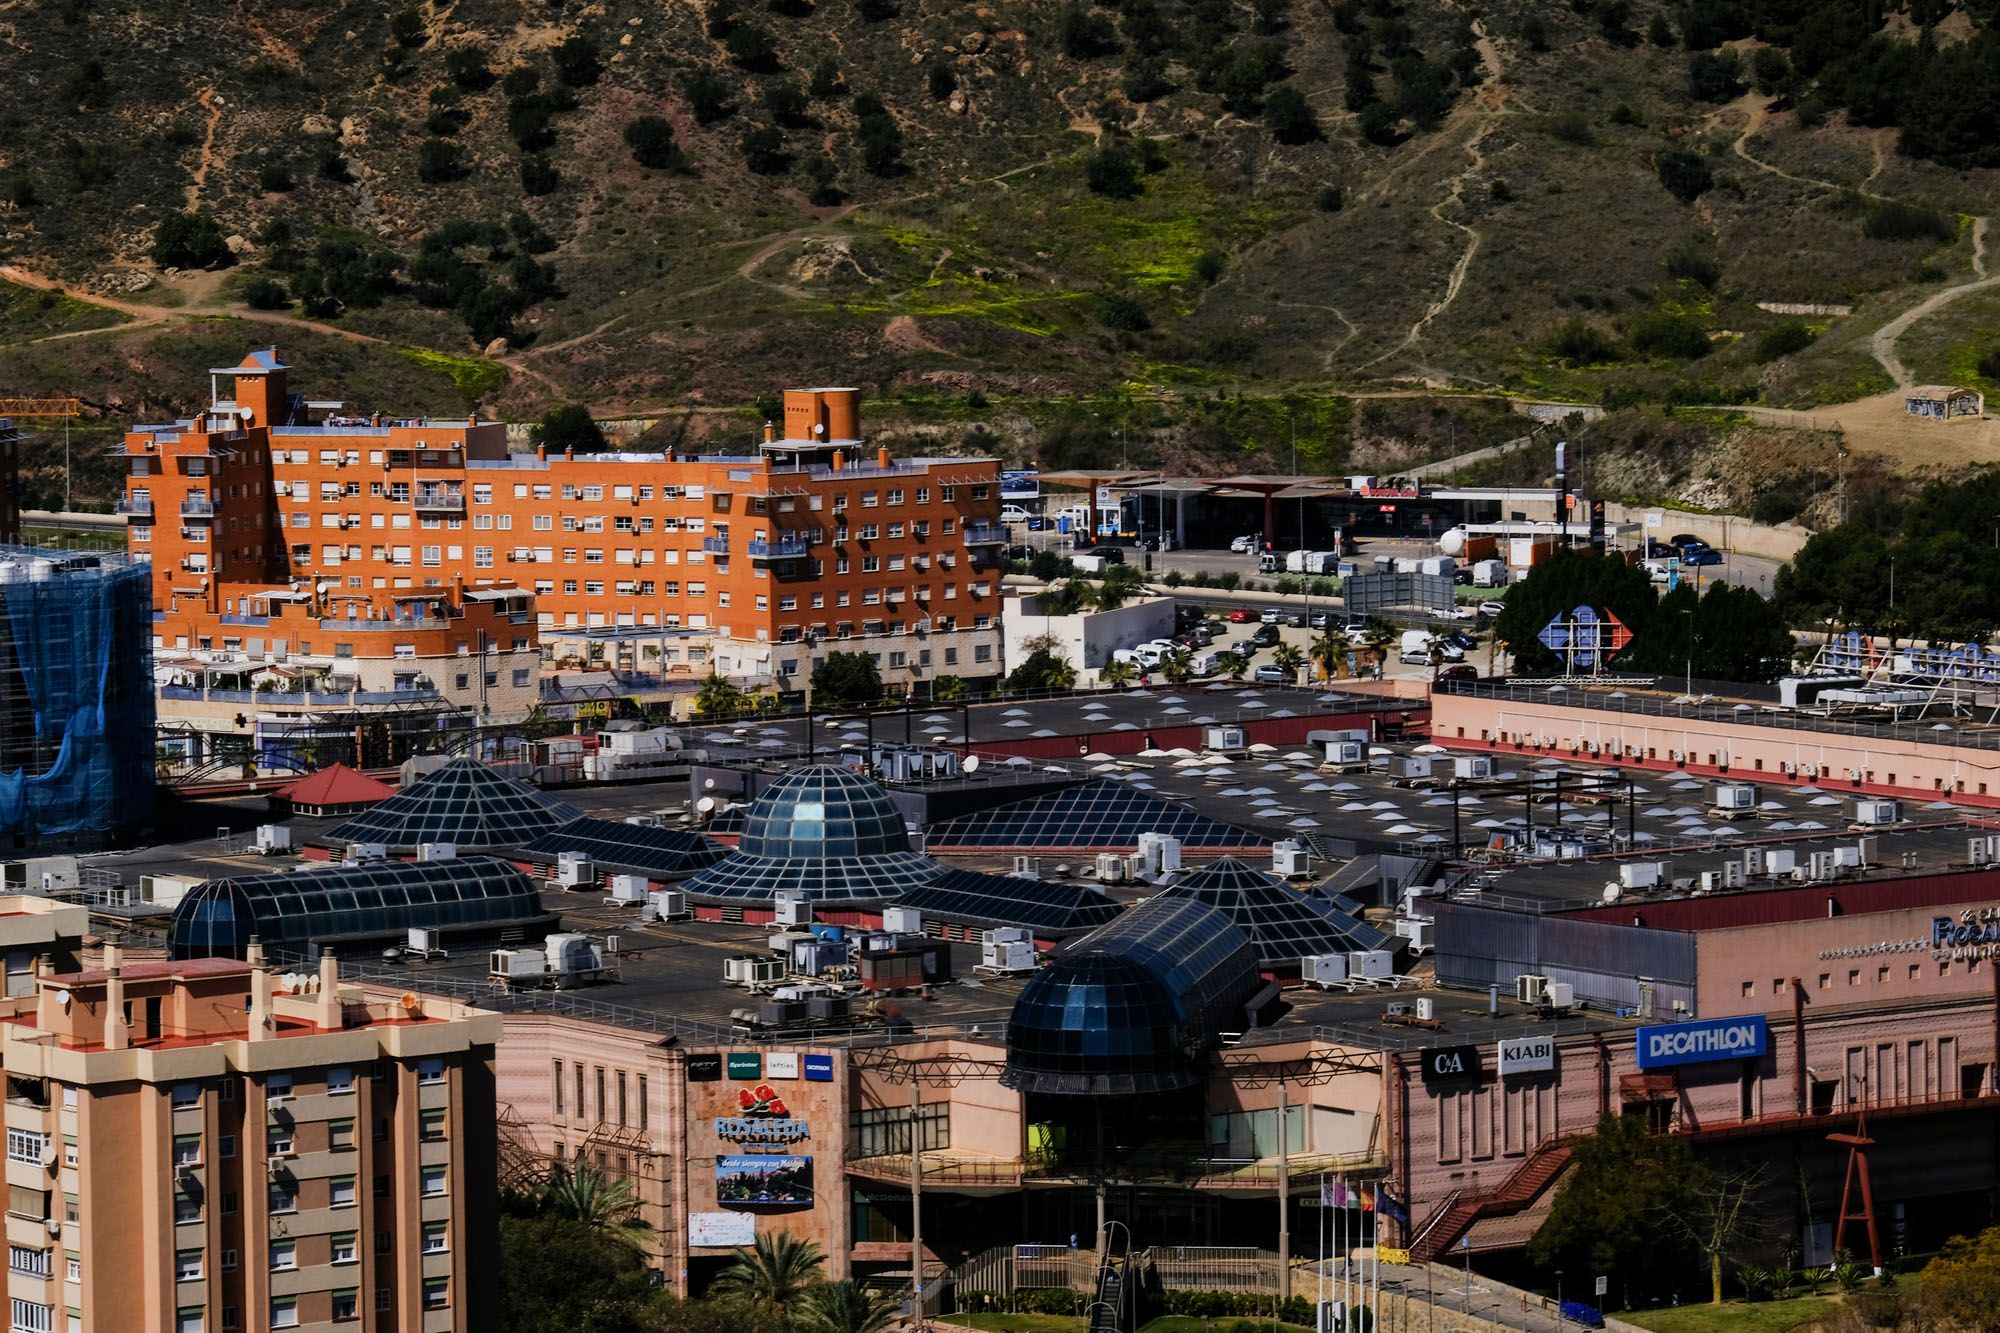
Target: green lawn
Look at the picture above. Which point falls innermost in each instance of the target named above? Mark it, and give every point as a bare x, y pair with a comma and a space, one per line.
1175, 1323
1733, 1316
1017, 1323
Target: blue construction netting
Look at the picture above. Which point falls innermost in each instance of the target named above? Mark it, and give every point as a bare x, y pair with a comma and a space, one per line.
76, 696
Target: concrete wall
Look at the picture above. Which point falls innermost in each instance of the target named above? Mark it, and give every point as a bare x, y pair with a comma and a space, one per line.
1725, 532
1088, 638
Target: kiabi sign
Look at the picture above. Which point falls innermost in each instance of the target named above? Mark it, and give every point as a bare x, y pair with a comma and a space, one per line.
1527, 1055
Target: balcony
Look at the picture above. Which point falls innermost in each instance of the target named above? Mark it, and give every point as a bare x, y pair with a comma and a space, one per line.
197, 506
788, 546
136, 506
716, 545
985, 534
440, 502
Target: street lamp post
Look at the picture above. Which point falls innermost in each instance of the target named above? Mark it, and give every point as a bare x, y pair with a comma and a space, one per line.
1559, 1298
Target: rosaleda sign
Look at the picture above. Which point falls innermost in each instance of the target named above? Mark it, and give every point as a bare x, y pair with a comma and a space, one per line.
1702, 1041
1975, 934
765, 1121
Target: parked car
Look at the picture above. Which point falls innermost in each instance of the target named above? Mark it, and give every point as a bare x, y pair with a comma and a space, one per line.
1215, 627
1700, 555
1685, 539
1242, 615
1244, 648
1461, 638
1296, 619
1013, 514
1269, 674
1020, 553
1462, 671
1265, 636
1354, 629
1493, 608
1271, 616
1321, 619
1243, 545
1462, 613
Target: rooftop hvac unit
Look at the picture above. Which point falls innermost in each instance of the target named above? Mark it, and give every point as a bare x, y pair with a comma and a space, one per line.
667, 904
1559, 995
1735, 796
1112, 868
1820, 867
793, 910
1779, 861
1030, 866
1409, 767
1427, 1008
1711, 880
574, 870
1529, 987
1222, 738
505, 965
765, 971
1876, 812
1846, 858
1323, 969
570, 954
1420, 931
425, 940
1008, 955
1640, 874
1473, 766
1290, 859
627, 888
1159, 853
1005, 935
1346, 754
436, 851
903, 920
1732, 874
1372, 963
736, 969
367, 851
273, 838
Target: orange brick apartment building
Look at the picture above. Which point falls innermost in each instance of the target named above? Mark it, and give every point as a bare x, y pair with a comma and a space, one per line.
814, 543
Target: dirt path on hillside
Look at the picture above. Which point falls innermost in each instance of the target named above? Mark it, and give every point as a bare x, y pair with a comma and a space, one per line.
1882, 342
211, 104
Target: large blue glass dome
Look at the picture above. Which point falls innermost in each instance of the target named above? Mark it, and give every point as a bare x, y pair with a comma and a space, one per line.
824, 832
1134, 1008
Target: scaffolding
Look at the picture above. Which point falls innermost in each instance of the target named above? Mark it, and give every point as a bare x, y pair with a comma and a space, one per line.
1854, 674
76, 698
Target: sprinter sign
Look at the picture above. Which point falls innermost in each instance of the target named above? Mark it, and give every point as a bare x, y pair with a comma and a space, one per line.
1705, 1040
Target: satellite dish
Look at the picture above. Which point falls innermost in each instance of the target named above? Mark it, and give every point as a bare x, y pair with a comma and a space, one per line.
705, 804
708, 784
245, 413
972, 763
63, 997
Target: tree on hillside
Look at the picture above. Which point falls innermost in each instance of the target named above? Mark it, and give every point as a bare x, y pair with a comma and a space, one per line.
775, 1270
1290, 116
1606, 1218
189, 240
840, 679
570, 427
1962, 1284
651, 140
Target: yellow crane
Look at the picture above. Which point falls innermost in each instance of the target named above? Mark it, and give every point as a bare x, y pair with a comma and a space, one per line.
66, 408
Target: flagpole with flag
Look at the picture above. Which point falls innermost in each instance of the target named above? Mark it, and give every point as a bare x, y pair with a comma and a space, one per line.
1320, 1321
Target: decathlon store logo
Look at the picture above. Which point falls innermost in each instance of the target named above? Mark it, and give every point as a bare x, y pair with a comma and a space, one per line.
1708, 1039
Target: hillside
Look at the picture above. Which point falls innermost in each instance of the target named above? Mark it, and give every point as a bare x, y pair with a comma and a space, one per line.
1195, 230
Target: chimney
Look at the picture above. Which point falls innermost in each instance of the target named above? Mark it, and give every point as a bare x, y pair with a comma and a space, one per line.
770, 432
882, 458
330, 1017
569, 454
117, 1036
542, 453
839, 460
262, 1025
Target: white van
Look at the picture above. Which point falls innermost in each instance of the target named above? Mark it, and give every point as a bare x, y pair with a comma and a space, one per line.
1013, 514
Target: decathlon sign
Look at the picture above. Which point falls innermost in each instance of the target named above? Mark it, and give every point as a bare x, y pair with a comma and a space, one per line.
1707, 1039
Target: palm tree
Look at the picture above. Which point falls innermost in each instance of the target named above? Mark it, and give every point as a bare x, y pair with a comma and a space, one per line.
848, 1307
1288, 659
1178, 666
580, 1192
949, 687
1379, 635
1233, 665
775, 1270
1110, 595
1330, 651
1118, 673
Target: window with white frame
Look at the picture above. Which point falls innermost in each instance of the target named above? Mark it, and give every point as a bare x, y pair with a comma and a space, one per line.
25, 1145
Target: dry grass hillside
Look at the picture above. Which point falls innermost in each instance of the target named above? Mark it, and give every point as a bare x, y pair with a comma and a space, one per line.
1053, 227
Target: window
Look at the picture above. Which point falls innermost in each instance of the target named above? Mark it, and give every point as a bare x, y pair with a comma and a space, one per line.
24, 1259
278, 1140
229, 1261
642, 1101
430, 1069
25, 1145
277, 1087
430, 1126
381, 1298
284, 1255
188, 1320
340, 1134
343, 1248
284, 1196
225, 1145
340, 1192
187, 1265
31, 1317
186, 1208
433, 1181
437, 1293
284, 1312
435, 1238
339, 1081
346, 1305
559, 1087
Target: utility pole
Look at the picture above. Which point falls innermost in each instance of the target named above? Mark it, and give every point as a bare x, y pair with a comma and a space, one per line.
916, 1198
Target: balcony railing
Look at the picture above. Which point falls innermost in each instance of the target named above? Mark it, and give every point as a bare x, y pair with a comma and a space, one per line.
196, 506
788, 546
984, 534
716, 545
136, 505
440, 501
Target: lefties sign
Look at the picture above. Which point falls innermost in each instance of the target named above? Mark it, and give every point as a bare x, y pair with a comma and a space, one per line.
1703, 1041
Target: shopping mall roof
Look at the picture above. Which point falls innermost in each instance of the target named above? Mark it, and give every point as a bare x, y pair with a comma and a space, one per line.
335, 789
824, 832
1286, 924
1103, 815
618, 847
1052, 909
466, 804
